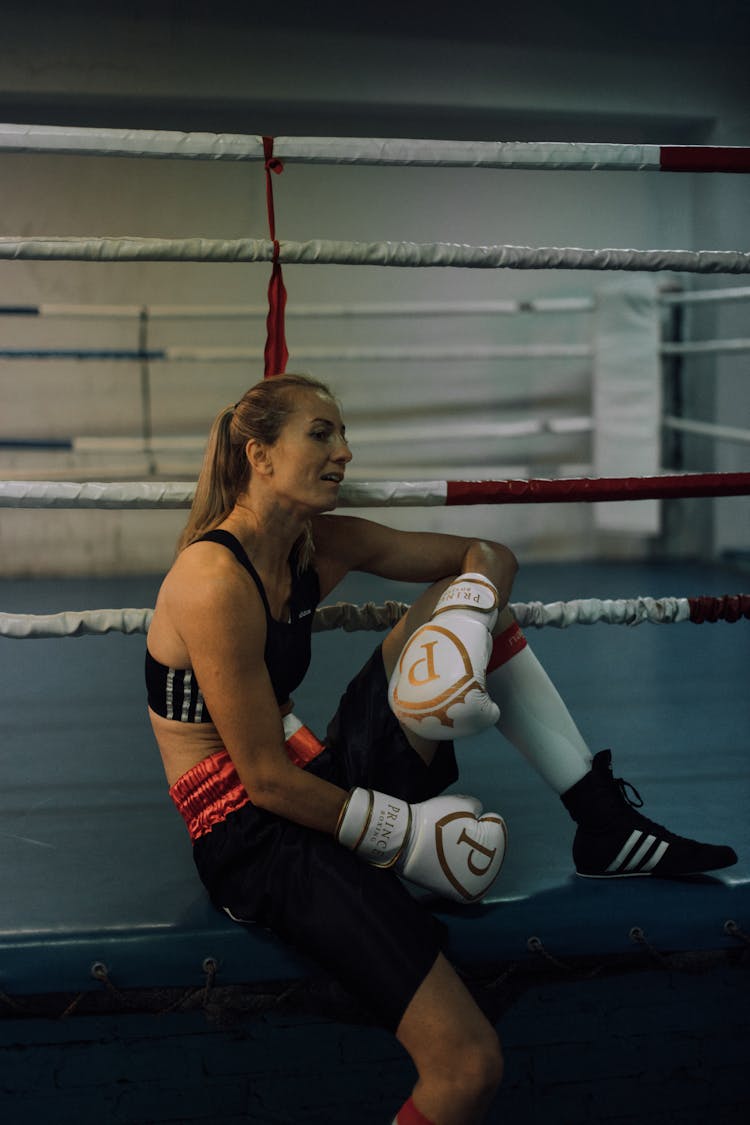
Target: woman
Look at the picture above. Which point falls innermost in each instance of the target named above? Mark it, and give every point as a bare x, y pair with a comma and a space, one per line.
293, 833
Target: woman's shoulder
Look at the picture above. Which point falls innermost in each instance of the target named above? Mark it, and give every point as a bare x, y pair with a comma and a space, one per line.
206, 574
203, 556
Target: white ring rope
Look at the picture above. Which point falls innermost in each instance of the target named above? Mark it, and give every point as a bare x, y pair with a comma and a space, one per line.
379, 352
357, 309
392, 254
543, 155
67, 494
369, 354
75, 623
704, 296
414, 352
324, 150
706, 347
176, 353
366, 435
707, 429
354, 618
354, 310
142, 495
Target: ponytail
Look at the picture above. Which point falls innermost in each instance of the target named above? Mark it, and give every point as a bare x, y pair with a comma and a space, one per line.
261, 413
223, 475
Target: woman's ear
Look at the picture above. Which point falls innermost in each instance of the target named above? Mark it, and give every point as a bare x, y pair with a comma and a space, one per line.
258, 457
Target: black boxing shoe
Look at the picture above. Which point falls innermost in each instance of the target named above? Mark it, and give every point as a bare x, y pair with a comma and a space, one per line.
614, 840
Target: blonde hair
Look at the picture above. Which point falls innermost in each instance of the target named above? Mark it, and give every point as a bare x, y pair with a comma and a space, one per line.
261, 413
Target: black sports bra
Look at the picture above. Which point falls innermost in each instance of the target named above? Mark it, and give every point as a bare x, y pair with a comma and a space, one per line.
174, 692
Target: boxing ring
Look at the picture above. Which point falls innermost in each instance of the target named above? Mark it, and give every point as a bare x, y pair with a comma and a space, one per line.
100, 909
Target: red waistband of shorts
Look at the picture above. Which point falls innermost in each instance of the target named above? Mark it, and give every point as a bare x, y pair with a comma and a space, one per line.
211, 789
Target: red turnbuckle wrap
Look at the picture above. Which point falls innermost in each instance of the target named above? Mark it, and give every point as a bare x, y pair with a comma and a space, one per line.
276, 354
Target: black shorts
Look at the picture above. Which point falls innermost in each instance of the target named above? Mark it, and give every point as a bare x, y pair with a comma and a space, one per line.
358, 922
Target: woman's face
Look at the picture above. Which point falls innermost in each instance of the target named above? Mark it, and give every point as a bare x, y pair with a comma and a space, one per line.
310, 456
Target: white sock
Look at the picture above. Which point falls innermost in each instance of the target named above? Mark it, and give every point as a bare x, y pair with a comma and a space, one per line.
533, 716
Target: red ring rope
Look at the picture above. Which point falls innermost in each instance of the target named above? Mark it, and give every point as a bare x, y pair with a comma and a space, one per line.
703, 158
590, 489
730, 607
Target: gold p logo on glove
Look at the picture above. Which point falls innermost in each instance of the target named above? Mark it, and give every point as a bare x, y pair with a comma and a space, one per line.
428, 647
445, 844
450, 669
438, 688
471, 851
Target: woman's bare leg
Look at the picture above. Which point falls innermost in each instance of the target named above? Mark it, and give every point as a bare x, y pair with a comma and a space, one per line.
454, 1048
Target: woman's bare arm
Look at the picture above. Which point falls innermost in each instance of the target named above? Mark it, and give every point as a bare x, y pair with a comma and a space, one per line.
345, 543
221, 621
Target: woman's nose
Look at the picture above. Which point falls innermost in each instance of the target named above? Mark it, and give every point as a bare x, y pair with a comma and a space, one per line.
343, 452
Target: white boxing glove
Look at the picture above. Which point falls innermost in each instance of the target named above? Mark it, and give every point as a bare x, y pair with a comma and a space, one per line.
446, 845
438, 687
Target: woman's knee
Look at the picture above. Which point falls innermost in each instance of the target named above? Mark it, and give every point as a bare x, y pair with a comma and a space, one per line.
449, 1038
465, 1077
479, 1065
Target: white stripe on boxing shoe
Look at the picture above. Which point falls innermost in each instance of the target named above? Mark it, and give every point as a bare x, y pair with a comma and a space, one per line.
637, 856
648, 867
634, 864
